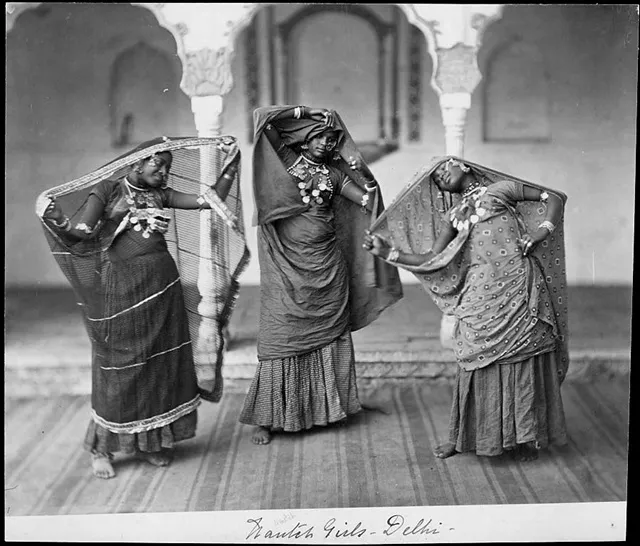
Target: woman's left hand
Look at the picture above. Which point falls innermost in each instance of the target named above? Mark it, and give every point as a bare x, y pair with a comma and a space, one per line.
357, 164
529, 241
321, 114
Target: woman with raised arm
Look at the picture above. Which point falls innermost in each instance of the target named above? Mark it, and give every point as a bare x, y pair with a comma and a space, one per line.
313, 194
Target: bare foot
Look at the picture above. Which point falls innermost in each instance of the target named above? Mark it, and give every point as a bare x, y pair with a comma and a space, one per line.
261, 436
445, 450
101, 465
526, 452
157, 458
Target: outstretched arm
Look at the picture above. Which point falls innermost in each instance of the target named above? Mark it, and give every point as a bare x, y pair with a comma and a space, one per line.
381, 247
55, 218
181, 200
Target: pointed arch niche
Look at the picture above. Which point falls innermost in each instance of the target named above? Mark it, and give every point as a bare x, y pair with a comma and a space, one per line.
516, 95
144, 89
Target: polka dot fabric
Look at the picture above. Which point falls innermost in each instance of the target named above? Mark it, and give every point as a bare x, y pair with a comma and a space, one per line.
508, 306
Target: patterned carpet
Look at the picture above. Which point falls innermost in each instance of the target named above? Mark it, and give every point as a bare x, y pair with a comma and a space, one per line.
378, 459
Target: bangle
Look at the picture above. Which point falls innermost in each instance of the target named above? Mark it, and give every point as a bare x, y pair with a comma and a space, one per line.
65, 225
393, 256
84, 227
548, 226
371, 188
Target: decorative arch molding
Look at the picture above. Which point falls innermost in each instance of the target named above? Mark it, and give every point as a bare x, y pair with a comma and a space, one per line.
453, 34
205, 45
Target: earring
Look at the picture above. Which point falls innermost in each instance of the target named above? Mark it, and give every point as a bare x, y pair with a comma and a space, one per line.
139, 170
304, 147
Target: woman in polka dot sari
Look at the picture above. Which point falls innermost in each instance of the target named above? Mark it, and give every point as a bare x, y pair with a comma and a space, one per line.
489, 249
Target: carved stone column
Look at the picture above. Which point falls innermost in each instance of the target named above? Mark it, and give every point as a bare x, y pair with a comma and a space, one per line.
205, 36
453, 34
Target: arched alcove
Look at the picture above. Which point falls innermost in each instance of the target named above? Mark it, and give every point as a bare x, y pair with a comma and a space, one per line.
143, 94
516, 95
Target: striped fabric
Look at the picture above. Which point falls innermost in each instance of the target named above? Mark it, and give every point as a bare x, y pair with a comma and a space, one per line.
143, 377
375, 460
503, 405
299, 392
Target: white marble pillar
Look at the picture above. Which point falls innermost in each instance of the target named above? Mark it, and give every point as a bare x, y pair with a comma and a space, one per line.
454, 108
454, 34
207, 113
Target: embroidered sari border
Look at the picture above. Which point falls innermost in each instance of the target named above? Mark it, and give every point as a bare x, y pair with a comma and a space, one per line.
151, 423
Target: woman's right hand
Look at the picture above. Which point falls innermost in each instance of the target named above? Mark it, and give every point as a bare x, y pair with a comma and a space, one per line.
53, 212
376, 244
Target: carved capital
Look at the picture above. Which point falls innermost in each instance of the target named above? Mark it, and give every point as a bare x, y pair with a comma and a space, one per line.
456, 70
207, 72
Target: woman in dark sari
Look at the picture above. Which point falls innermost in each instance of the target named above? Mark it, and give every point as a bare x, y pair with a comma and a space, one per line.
115, 253
495, 262
313, 192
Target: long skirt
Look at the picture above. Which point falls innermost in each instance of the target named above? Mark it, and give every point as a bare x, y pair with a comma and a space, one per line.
144, 388
299, 392
498, 407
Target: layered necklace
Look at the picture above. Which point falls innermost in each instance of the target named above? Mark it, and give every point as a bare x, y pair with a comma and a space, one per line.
140, 216
314, 180
469, 211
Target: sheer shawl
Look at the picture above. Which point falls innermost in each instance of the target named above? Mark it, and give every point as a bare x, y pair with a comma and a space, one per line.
412, 224
208, 246
373, 284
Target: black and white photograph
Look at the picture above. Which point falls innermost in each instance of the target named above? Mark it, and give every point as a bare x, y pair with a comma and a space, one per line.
318, 273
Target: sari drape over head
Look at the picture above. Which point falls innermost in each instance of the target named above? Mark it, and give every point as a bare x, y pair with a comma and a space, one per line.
372, 284
508, 307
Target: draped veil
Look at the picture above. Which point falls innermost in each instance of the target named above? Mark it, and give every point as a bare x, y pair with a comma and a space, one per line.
412, 221
210, 251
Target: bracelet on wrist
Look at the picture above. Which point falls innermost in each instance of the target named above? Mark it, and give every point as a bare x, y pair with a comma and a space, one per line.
393, 255
65, 224
370, 186
548, 226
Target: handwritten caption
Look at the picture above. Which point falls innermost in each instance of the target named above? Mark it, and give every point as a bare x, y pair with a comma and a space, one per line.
395, 525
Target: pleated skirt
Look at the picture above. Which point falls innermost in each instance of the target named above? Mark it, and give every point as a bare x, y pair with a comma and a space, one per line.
498, 407
297, 393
